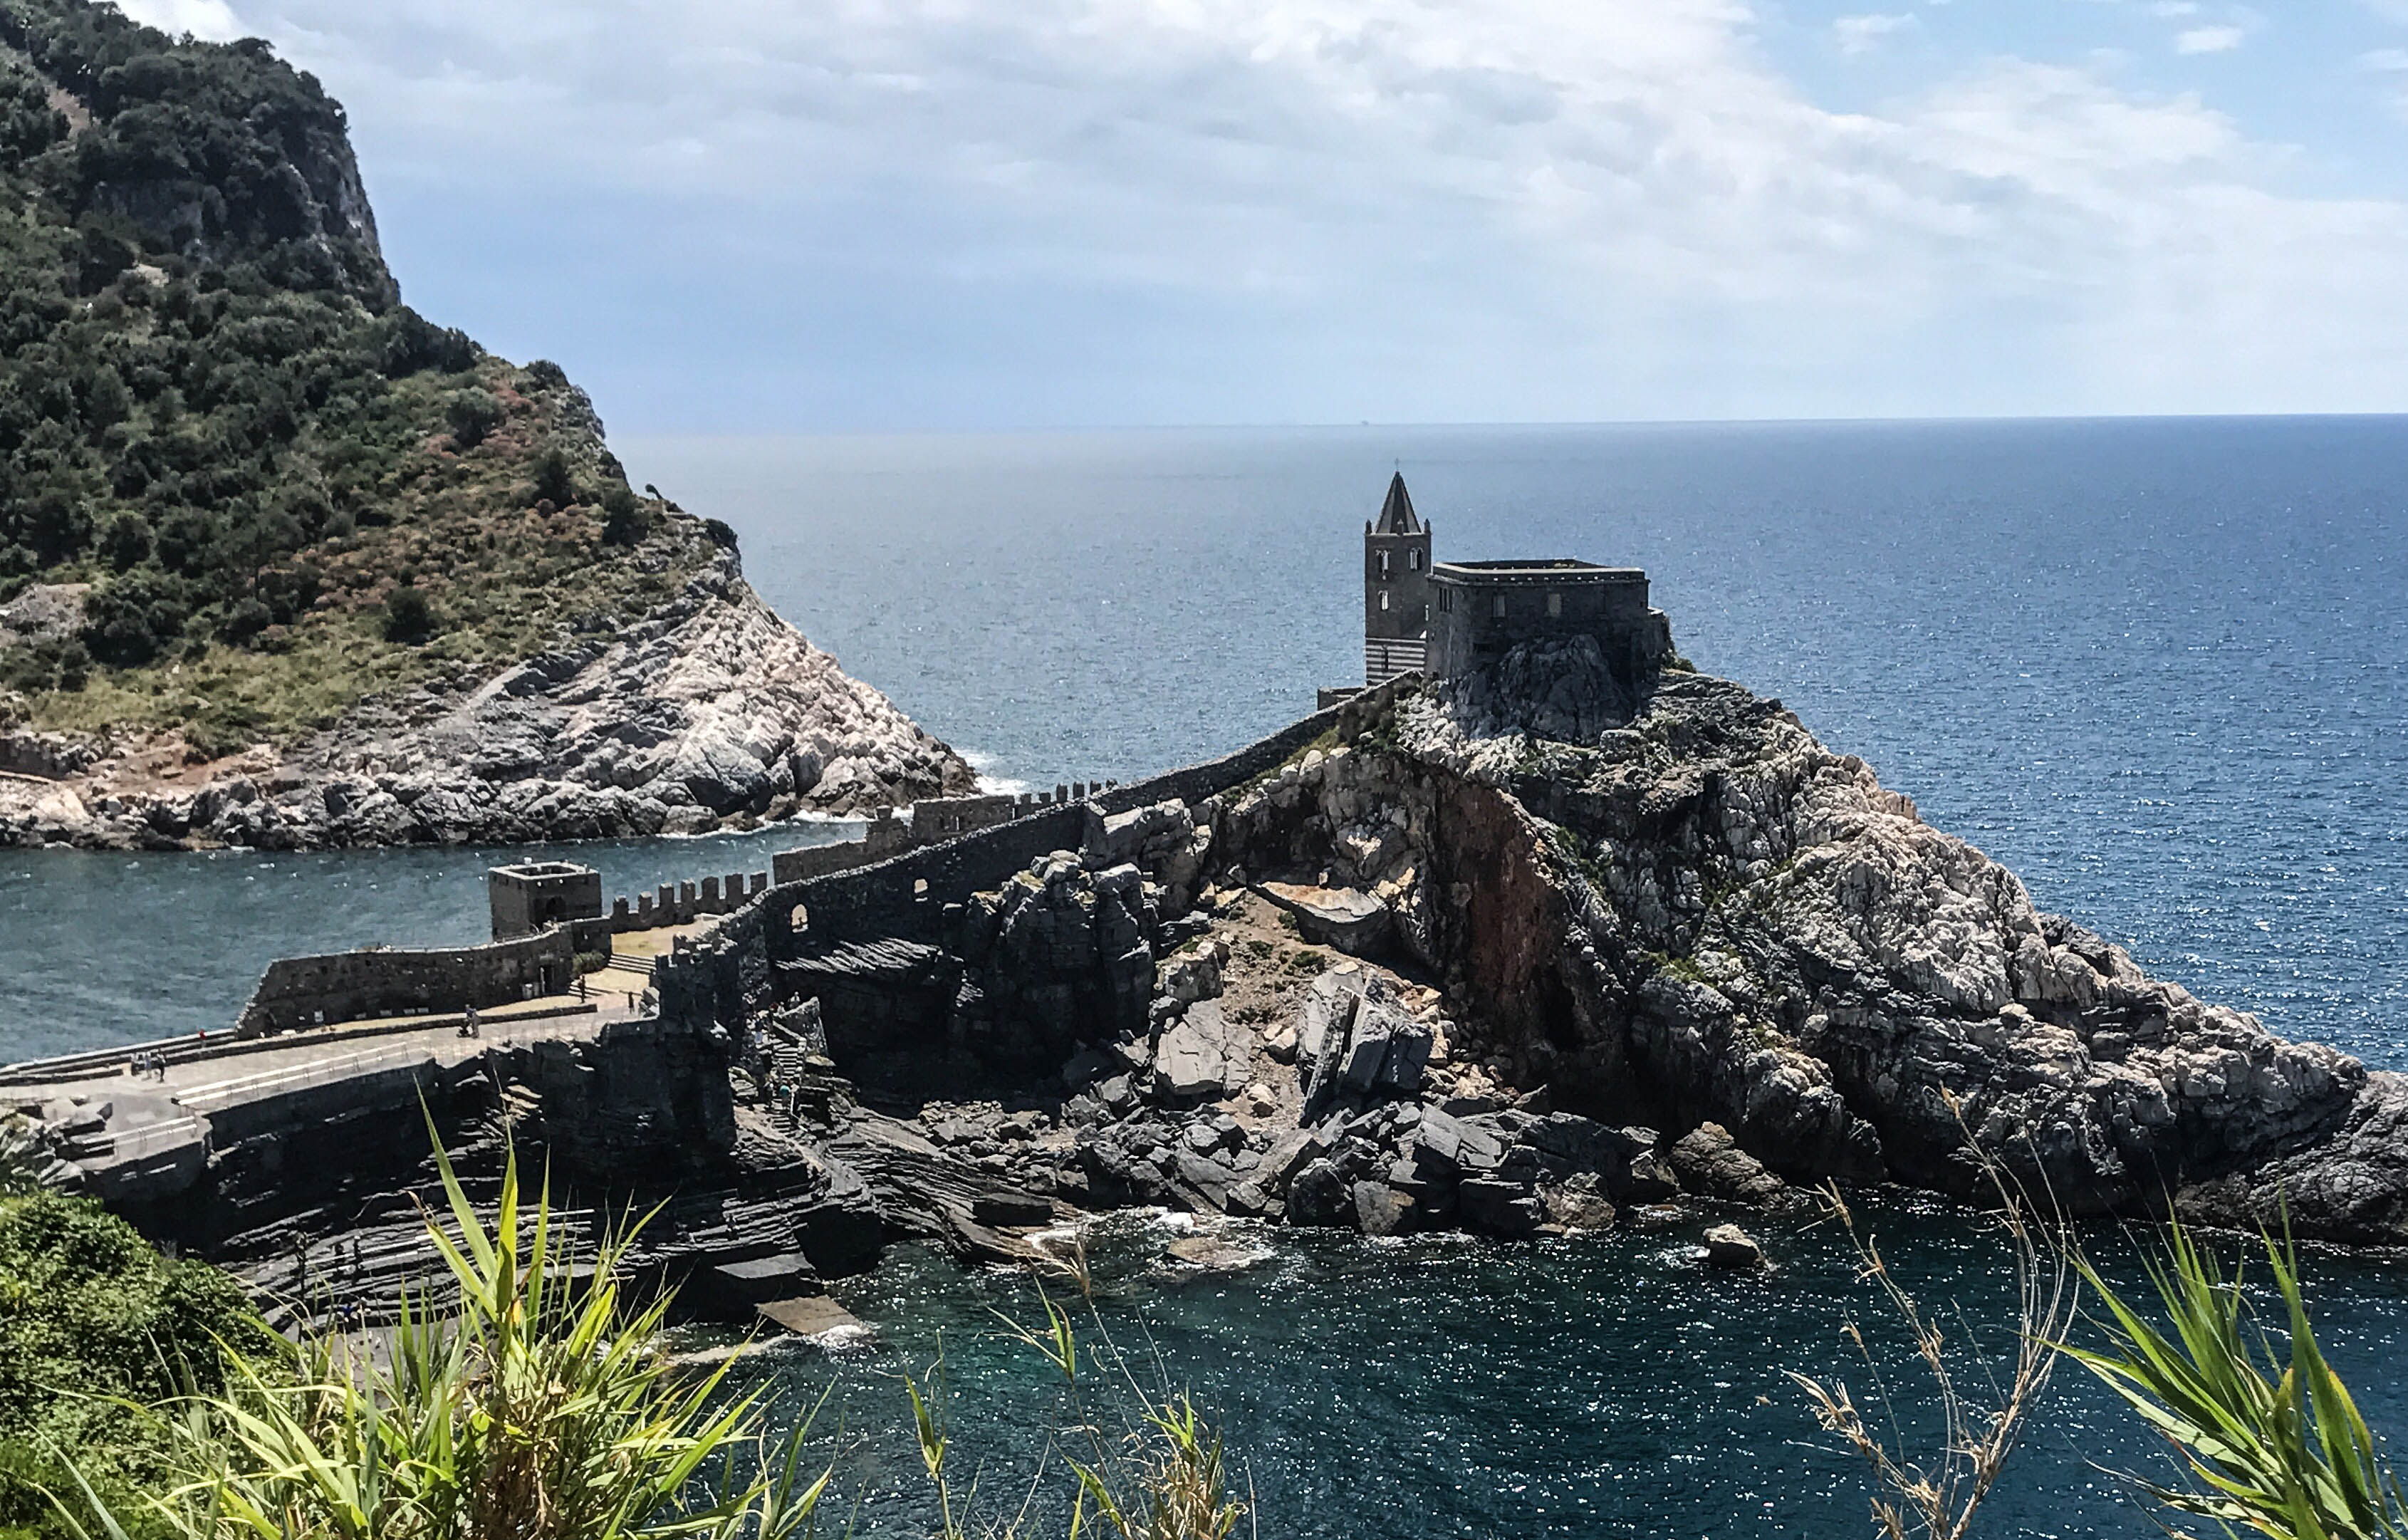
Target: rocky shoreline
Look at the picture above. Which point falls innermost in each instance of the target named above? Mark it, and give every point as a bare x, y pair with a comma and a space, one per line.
710, 711
1425, 973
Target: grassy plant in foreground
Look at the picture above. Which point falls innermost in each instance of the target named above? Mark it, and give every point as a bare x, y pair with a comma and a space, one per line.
1936, 1497
542, 1410
1155, 1470
2271, 1439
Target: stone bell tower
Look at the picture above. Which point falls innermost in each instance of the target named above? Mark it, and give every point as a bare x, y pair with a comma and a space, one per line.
1396, 588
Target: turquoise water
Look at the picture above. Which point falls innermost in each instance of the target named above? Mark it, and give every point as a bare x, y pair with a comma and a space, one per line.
2155, 666
98, 948
1437, 1385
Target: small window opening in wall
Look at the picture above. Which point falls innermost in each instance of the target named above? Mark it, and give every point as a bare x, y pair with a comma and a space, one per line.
1496, 607
1383, 598
1383, 563
1414, 560
1446, 601
1554, 604
920, 887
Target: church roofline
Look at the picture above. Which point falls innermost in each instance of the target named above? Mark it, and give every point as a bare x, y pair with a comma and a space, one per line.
1561, 569
1396, 516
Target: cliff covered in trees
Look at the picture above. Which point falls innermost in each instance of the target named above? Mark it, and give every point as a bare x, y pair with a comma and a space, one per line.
245, 491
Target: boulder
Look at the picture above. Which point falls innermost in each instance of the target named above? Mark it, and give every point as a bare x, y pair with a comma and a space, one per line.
1709, 1161
1190, 976
1731, 1249
1444, 1144
1288, 1153
1579, 1203
1380, 1209
1408, 1059
1321, 1196
1191, 1060
1346, 918
1208, 1179
733, 1288
1492, 1207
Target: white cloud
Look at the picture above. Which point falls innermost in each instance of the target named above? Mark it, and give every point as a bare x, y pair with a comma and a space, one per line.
1334, 208
207, 19
1857, 34
2209, 40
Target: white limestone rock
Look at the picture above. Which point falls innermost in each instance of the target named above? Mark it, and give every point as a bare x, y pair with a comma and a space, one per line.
710, 709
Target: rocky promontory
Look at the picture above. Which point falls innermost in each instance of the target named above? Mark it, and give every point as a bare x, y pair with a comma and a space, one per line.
1548, 948
711, 710
1674, 904
283, 563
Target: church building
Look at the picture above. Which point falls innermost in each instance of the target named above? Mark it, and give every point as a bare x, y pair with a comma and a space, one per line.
1445, 619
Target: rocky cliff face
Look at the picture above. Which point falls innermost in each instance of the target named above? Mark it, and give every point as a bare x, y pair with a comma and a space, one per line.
711, 710
1683, 909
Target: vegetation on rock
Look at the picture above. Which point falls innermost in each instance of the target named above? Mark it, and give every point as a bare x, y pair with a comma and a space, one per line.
215, 412
91, 1316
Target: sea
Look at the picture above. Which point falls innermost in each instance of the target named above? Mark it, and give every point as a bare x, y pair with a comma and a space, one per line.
2153, 666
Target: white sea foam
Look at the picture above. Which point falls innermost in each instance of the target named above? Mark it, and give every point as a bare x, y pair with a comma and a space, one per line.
991, 782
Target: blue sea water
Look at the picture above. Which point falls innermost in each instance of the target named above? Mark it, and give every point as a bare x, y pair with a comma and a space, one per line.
2155, 666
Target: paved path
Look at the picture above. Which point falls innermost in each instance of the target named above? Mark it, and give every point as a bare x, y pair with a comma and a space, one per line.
150, 1125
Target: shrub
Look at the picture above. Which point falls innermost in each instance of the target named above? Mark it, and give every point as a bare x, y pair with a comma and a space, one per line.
224, 728
411, 344
245, 619
543, 1408
623, 519
125, 539
46, 666
89, 1310
408, 617
592, 962
131, 619
472, 414
555, 481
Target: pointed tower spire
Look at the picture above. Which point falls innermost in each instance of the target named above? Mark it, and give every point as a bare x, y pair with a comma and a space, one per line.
1396, 515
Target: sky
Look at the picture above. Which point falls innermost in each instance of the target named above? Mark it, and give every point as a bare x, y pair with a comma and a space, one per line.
762, 216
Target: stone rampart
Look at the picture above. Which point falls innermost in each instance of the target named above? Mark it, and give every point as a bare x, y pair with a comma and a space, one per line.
682, 903
905, 897
932, 821
385, 981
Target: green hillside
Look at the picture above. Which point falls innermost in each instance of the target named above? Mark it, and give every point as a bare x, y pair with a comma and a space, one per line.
286, 489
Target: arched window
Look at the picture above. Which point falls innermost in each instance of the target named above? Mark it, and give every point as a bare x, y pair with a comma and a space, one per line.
1414, 560
1383, 563
1383, 598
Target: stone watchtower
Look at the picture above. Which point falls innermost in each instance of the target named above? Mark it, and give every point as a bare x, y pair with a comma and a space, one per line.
1396, 589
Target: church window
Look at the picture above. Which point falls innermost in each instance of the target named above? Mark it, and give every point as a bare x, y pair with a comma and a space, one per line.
1384, 565
1446, 601
1554, 605
1414, 560
1384, 596
1496, 607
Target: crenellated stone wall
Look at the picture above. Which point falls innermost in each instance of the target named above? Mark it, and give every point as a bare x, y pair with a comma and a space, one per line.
297, 992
